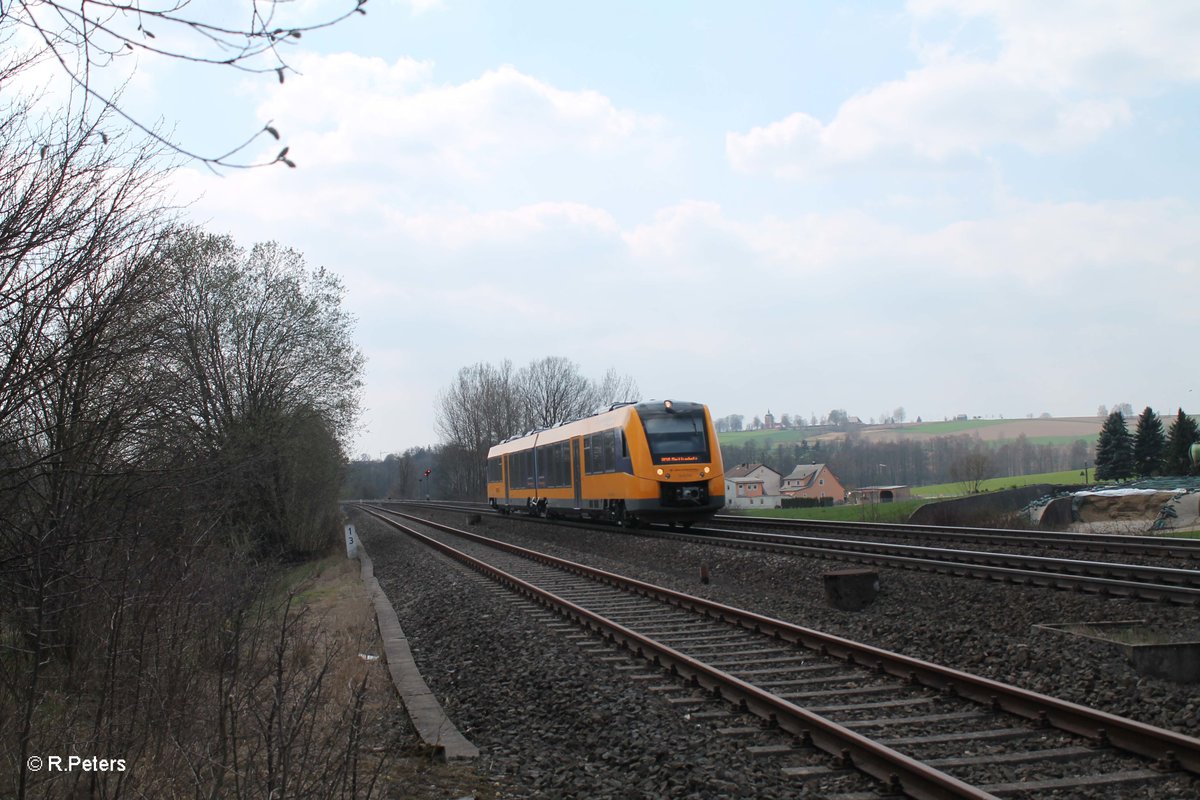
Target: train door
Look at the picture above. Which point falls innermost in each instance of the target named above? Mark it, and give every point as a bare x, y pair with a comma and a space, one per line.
505, 477
576, 473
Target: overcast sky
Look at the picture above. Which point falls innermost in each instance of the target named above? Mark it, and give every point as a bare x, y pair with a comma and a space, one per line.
953, 207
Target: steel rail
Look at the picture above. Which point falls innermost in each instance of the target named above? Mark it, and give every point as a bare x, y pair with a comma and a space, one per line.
1169, 748
1166, 576
1182, 586
1145, 545
1115, 543
897, 771
1115, 587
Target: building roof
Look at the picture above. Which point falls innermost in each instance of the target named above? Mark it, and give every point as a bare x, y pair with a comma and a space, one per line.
742, 470
804, 472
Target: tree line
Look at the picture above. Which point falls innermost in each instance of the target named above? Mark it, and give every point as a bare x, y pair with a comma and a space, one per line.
484, 405
488, 403
1148, 452
944, 459
174, 408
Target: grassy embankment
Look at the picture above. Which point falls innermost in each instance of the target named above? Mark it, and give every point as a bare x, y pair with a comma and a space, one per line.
900, 511
1070, 477
880, 512
330, 593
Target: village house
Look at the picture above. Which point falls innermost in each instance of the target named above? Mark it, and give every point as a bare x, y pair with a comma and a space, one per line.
812, 480
752, 486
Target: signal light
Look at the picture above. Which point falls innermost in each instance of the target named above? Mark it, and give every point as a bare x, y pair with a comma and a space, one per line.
427, 472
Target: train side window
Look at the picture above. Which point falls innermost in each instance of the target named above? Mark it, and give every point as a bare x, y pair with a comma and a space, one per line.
525, 471
558, 476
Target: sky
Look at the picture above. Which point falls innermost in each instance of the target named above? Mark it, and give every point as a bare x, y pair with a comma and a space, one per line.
945, 206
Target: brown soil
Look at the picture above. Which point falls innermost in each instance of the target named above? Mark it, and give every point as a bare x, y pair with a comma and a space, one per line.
1001, 431
1142, 507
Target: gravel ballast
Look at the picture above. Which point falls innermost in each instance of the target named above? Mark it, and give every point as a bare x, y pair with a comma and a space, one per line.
555, 722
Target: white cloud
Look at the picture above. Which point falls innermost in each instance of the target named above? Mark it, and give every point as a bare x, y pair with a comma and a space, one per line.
1063, 76
347, 108
419, 7
456, 230
1103, 45
1052, 246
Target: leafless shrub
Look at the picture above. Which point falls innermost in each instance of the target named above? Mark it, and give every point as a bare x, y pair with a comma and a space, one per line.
124, 589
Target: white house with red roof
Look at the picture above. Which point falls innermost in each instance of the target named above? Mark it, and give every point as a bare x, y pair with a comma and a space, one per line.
752, 486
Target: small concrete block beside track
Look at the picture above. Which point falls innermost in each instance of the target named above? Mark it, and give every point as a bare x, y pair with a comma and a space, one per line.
428, 717
851, 589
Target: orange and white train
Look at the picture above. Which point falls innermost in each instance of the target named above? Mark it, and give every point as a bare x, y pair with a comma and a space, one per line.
655, 461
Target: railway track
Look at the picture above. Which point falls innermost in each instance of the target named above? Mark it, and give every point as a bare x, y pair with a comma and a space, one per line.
1162, 584
1174, 585
1112, 544
903, 721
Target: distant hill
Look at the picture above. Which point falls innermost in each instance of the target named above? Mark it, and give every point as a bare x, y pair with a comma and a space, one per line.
1058, 430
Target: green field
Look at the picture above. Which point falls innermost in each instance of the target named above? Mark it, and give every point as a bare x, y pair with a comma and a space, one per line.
1181, 534
879, 512
770, 437
1069, 477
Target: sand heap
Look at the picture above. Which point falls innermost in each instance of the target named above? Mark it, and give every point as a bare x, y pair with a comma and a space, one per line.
1135, 511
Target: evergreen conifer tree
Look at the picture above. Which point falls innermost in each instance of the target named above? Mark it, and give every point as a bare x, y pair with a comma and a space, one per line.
1114, 449
1183, 434
1149, 444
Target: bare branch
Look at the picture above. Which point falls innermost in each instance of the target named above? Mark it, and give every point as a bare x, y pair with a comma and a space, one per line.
91, 36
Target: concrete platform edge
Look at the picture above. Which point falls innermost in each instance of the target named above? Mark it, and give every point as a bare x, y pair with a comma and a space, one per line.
426, 713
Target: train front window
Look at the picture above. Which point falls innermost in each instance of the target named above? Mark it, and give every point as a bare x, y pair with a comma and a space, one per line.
675, 437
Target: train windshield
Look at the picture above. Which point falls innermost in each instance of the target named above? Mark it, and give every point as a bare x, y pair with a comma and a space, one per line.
675, 437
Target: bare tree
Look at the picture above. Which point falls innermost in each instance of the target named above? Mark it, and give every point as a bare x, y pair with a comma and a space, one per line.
265, 374
553, 390
972, 469
78, 421
91, 37
486, 404
115, 595
616, 388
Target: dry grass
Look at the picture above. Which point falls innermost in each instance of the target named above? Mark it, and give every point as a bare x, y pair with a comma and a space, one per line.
340, 608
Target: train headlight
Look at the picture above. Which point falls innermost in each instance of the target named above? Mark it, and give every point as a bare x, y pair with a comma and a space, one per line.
706, 470
660, 471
